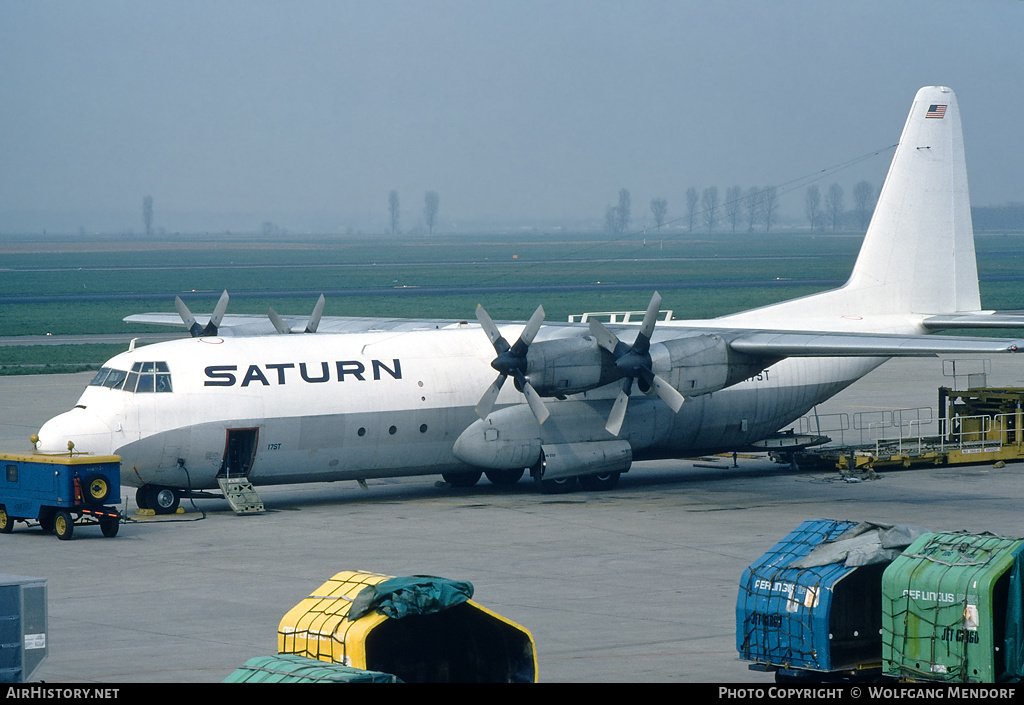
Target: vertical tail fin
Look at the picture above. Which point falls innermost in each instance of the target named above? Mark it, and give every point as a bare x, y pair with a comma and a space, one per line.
918, 253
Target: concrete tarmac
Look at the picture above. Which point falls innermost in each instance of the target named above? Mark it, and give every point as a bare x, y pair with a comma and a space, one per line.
638, 584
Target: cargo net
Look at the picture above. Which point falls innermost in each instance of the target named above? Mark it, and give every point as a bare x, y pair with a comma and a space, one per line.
778, 602
934, 624
319, 625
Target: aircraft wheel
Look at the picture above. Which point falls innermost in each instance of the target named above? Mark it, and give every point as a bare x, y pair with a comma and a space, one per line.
6, 522
97, 489
561, 486
162, 500
504, 477
598, 483
109, 527
462, 479
142, 497
63, 525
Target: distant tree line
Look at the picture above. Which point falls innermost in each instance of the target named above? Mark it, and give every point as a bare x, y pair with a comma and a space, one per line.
616, 218
832, 214
757, 207
431, 207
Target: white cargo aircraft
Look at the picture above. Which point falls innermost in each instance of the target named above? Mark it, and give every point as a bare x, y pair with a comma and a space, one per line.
364, 398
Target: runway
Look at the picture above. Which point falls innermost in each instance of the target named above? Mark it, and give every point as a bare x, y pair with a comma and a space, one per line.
633, 585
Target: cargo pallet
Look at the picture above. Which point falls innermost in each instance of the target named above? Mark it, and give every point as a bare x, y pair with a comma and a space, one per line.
60, 491
977, 425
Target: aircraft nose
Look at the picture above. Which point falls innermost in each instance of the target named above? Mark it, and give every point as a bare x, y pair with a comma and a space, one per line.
89, 433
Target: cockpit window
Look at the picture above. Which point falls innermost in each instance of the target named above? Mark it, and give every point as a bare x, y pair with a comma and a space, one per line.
107, 377
145, 377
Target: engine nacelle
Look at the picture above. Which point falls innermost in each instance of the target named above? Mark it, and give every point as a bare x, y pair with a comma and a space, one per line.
695, 364
701, 364
507, 439
562, 460
574, 439
571, 365
511, 438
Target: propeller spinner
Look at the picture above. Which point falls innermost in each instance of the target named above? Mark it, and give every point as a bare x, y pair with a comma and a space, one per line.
634, 363
511, 361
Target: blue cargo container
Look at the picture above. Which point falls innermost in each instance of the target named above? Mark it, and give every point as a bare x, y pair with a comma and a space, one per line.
58, 490
811, 606
23, 627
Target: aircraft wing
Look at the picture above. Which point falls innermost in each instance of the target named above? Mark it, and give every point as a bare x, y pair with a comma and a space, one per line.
779, 344
173, 319
256, 324
224, 324
763, 343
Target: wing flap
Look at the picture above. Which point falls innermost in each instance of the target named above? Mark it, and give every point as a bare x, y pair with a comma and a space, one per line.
814, 344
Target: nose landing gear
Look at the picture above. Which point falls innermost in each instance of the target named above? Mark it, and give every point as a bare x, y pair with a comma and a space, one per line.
162, 500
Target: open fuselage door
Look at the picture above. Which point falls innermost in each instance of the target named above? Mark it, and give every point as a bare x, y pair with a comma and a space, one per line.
239, 452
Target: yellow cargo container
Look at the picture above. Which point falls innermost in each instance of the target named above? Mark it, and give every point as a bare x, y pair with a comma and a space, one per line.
464, 642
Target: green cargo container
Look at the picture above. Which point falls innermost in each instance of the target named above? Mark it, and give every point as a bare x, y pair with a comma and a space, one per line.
285, 668
951, 610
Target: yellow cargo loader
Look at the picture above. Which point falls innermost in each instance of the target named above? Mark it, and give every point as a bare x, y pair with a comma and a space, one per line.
978, 425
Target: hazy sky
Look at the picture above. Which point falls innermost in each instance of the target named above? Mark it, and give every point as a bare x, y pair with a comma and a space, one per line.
309, 113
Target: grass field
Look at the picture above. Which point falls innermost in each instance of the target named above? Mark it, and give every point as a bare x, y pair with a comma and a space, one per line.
81, 286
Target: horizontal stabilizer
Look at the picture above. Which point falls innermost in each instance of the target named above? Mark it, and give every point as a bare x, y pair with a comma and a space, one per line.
980, 320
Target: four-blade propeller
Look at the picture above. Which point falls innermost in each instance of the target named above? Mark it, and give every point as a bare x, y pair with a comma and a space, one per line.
193, 326
511, 361
282, 326
634, 362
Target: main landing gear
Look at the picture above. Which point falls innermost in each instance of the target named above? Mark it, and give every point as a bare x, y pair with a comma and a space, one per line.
592, 483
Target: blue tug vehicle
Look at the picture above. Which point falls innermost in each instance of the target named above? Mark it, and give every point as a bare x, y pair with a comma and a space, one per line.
60, 491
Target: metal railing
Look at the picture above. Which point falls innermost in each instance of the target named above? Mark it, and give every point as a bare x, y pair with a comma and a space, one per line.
618, 316
909, 431
871, 426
